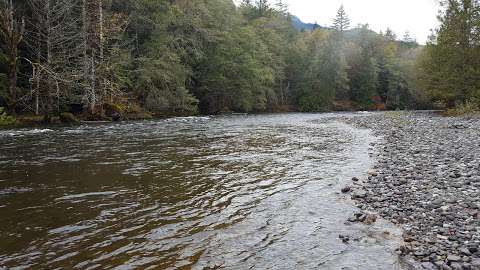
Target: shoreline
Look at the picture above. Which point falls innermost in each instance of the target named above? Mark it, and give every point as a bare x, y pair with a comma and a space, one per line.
426, 180
32, 121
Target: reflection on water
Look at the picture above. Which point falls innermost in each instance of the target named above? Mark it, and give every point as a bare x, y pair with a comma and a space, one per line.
233, 192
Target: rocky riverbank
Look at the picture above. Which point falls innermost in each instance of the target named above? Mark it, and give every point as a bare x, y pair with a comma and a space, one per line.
426, 180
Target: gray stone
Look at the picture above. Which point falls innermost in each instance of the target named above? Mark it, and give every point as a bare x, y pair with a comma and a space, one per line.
429, 266
454, 258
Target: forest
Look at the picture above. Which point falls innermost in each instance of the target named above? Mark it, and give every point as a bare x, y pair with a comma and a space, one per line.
110, 59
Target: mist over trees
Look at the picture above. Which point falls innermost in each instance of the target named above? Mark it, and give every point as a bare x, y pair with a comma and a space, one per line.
181, 57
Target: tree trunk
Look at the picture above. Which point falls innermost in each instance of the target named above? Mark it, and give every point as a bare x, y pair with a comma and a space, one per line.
12, 78
93, 34
100, 29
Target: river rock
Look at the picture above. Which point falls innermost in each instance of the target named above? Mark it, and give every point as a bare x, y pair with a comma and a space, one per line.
429, 266
454, 258
372, 173
359, 194
475, 263
344, 238
426, 179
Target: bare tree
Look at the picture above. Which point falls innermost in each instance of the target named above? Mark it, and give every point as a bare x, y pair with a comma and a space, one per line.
93, 52
53, 38
74, 44
102, 37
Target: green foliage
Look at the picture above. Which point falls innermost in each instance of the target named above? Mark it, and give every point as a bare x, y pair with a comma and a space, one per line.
234, 77
6, 120
470, 107
210, 56
160, 78
449, 66
323, 73
161, 85
363, 75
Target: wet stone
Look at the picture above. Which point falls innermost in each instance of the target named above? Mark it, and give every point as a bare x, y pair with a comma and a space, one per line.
359, 195
429, 266
426, 179
454, 258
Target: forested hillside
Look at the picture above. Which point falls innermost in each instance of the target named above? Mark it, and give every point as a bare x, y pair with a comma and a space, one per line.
181, 57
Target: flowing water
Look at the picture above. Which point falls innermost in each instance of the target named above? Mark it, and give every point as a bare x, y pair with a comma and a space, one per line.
230, 192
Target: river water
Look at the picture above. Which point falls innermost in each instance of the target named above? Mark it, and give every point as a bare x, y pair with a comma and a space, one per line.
229, 192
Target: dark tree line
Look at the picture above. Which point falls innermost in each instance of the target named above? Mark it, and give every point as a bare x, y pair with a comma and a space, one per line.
181, 57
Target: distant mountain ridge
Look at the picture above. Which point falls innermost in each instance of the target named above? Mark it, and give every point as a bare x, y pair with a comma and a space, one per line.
352, 33
300, 25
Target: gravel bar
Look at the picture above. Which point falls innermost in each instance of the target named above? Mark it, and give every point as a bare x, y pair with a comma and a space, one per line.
427, 181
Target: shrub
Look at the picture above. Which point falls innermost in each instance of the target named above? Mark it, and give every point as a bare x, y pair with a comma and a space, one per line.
470, 107
6, 120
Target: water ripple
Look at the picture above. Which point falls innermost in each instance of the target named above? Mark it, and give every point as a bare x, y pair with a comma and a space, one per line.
231, 192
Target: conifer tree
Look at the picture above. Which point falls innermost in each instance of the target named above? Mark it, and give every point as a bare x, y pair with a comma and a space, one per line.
341, 23
282, 7
449, 68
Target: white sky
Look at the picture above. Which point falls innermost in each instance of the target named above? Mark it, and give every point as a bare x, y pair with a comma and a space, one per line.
416, 16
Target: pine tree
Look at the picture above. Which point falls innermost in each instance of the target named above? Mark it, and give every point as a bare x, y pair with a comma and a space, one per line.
263, 7
407, 37
341, 23
282, 7
390, 35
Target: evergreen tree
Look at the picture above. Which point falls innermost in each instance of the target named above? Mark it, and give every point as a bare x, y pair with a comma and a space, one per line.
363, 68
407, 37
390, 35
449, 68
341, 23
263, 8
282, 7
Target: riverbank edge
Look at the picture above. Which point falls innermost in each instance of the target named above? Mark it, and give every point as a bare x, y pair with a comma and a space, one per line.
359, 182
32, 121
407, 258
28, 121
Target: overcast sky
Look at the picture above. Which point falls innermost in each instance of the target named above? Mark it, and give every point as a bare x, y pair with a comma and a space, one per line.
416, 16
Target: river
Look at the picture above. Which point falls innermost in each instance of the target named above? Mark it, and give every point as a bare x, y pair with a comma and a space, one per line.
227, 192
